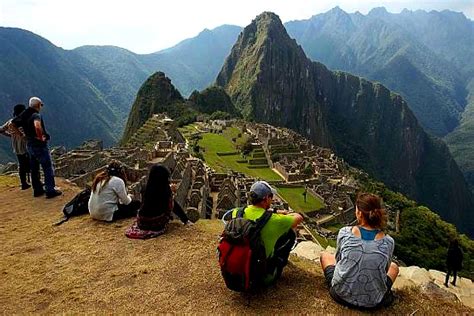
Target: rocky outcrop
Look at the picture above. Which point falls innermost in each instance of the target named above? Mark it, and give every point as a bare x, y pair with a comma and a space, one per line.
270, 80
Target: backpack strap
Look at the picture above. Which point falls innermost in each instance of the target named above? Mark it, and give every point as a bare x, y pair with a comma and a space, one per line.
241, 211
262, 221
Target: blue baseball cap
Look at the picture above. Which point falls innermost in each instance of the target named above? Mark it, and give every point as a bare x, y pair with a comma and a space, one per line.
261, 189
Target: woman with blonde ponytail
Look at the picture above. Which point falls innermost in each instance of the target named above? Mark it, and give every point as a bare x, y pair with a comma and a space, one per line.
361, 273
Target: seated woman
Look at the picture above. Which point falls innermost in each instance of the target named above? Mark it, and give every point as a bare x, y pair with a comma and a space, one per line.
109, 200
361, 274
158, 202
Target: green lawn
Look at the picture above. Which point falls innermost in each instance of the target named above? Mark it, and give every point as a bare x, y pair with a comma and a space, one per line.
214, 143
294, 197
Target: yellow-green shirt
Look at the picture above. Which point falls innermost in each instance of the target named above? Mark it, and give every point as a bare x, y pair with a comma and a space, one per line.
277, 226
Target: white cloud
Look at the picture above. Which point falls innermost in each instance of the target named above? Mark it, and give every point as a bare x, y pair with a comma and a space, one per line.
145, 26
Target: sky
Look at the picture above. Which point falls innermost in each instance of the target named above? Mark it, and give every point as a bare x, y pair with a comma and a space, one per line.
146, 26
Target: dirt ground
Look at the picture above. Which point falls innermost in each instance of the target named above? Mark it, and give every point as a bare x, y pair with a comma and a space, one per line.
85, 266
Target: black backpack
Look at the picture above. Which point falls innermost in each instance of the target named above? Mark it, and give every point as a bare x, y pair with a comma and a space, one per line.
77, 206
241, 251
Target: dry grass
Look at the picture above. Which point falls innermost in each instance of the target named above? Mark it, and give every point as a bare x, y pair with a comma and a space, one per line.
86, 266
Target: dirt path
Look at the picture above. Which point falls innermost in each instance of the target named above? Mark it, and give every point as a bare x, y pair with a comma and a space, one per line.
86, 266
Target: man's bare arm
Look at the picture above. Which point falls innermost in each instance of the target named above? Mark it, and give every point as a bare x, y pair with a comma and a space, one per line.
39, 131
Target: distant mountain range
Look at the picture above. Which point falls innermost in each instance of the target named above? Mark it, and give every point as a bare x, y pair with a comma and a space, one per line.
89, 91
427, 57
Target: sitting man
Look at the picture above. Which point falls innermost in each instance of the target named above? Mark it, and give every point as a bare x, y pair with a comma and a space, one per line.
278, 234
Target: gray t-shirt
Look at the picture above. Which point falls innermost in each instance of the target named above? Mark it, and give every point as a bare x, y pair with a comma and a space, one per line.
361, 268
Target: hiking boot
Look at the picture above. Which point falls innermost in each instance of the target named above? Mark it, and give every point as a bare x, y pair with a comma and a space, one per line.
454, 284
38, 193
25, 186
446, 284
52, 194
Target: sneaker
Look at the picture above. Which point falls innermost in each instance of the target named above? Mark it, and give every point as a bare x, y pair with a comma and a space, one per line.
38, 193
52, 194
25, 186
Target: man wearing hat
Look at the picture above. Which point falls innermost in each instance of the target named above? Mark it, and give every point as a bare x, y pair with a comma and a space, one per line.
19, 145
37, 144
278, 234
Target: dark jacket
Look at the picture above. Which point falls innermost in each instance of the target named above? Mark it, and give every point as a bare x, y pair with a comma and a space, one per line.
454, 259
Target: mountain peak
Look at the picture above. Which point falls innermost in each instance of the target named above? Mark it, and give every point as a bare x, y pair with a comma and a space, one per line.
156, 95
337, 10
378, 12
267, 21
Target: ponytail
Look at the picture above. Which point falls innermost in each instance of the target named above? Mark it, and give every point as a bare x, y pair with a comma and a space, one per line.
370, 205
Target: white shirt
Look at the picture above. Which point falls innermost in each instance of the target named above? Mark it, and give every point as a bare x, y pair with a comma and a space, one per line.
104, 200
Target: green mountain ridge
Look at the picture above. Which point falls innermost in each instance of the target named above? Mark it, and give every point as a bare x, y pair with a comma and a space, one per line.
391, 55
270, 80
74, 108
96, 84
427, 57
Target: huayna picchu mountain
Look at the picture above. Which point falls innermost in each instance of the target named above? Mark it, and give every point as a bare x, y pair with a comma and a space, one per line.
270, 79
159, 95
156, 95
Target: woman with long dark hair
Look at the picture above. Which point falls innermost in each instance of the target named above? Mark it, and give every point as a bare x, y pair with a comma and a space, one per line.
361, 273
109, 200
158, 202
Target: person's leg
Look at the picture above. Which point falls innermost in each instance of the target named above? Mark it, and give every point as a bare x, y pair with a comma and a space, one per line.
178, 210
35, 173
393, 271
455, 274
22, 169
127, 211
327, 259
45, 160
283, 247
448, 273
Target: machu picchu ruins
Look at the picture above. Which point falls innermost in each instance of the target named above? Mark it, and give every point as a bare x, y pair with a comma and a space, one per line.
207, 193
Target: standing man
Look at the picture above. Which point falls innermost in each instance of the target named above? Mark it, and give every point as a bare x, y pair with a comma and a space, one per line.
37, 144
278, 235
19, 146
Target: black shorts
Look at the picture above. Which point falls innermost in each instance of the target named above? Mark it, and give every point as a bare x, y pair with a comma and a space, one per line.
386, 300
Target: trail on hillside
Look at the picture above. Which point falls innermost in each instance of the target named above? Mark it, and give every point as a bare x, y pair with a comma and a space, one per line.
87, 266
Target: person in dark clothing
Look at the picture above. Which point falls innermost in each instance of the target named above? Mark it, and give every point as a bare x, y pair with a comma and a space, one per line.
453, 261
158, 202
19, 146
37, 144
